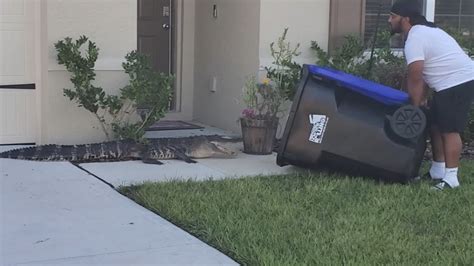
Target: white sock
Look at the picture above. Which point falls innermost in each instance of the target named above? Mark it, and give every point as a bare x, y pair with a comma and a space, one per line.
451, 177
437, 170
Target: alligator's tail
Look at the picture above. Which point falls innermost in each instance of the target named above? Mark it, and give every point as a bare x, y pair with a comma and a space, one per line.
114, 150
40, 153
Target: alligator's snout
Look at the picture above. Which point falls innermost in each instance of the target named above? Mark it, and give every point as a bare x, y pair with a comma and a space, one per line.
226, 149
215, 149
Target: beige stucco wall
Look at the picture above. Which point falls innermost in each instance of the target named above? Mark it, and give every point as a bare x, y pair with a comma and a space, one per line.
237, 44
225, 48
62, 121
307, 20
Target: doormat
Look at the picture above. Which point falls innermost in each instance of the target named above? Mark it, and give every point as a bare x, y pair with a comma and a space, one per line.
172, 125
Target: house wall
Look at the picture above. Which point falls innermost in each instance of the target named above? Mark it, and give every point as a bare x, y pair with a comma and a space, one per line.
306, 20
226, 48
62, 121
237, 44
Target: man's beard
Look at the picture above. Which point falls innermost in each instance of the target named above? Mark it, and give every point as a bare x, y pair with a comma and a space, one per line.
397, 28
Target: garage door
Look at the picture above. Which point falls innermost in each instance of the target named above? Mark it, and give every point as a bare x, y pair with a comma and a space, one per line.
17, 72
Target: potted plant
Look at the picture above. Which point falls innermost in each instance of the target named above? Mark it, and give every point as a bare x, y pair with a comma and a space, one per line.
264, 100
259, 119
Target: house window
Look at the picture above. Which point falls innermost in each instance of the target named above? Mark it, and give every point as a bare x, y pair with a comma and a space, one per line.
452, 15
455, 15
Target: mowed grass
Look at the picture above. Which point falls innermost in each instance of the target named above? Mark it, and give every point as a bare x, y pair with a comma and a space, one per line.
321, 219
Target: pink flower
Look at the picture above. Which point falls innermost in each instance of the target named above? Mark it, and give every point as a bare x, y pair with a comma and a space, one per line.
249, 113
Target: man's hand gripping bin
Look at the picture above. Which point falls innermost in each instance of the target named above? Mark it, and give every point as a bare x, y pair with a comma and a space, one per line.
348, 123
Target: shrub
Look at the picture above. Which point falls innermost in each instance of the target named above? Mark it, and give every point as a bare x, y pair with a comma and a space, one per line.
116, 114
385, 67
285, 71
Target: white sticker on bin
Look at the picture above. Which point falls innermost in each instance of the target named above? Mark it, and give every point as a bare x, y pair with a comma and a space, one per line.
319, 123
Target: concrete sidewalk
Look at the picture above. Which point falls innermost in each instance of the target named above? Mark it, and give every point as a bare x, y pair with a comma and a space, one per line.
55, 213
135, 172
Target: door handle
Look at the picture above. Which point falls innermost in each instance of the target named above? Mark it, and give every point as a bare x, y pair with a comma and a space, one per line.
166, 26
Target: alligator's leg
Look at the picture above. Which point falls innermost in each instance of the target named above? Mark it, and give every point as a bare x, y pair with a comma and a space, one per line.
151, 161
180, 155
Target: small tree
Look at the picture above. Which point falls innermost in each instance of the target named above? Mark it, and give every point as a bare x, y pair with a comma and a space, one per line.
148, 94
285, 72
115, 113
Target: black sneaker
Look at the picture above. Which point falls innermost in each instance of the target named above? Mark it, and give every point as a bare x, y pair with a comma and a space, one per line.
441, 186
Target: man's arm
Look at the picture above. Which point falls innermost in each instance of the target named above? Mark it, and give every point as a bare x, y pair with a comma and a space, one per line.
415, 82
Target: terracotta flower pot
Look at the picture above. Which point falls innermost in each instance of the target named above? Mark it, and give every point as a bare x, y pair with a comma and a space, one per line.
258, 135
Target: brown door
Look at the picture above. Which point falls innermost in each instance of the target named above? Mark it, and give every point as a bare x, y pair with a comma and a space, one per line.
155, 31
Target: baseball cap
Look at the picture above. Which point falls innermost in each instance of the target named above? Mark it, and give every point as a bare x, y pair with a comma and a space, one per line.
406, 8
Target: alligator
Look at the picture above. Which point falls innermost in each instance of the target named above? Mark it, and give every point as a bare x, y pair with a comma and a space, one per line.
151, 152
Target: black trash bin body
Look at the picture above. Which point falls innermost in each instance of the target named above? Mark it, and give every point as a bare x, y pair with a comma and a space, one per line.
343, 122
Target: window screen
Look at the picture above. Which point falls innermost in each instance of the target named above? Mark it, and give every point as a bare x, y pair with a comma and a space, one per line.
455, 15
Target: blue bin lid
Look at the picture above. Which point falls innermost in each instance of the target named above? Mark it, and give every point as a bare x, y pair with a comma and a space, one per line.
376, 91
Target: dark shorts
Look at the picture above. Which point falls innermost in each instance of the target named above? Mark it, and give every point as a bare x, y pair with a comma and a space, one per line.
450, 107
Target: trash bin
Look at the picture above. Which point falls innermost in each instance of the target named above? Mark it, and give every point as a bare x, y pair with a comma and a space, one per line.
347, 123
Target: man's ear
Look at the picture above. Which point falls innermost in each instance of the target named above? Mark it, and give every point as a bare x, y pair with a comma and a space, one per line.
407, 20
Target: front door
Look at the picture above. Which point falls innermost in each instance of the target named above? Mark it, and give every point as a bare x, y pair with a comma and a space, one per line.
155, 32
17, 72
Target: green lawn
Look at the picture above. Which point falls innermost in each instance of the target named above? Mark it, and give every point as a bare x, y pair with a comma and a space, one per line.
321, 219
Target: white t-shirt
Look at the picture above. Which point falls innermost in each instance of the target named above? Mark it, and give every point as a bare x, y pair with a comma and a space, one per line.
446, 64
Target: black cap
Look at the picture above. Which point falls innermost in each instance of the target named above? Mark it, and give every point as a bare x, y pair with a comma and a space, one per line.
406, 8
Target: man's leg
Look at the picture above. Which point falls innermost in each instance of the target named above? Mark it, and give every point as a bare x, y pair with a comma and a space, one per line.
452, 145
438, 166
436, 144
452, 109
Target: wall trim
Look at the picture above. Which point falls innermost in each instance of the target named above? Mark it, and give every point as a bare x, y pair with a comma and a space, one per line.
102, 64
41, 52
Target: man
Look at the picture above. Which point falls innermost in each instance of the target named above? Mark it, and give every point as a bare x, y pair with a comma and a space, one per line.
434, 58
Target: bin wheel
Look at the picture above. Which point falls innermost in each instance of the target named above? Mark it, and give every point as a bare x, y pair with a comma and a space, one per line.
408, 121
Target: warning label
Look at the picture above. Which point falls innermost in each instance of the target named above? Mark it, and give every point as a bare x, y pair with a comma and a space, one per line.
319, 123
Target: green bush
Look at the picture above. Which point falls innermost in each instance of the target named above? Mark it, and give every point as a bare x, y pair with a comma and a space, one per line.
286, 72
385, 67
117, 114
148, 95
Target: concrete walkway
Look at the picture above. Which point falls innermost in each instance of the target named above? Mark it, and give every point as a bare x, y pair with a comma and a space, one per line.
53, 213
135, 172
